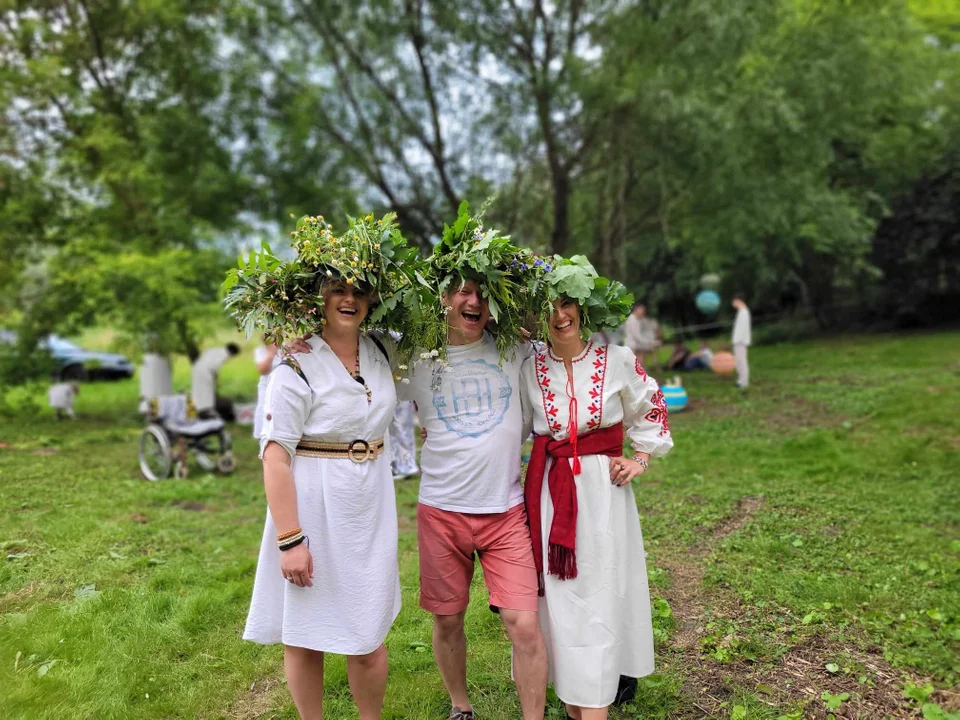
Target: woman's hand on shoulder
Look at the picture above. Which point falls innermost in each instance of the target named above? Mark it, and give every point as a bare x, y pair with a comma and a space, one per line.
300, 345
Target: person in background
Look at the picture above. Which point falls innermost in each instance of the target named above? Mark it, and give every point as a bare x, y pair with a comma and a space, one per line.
403, 448
741, 340
266, 358
156, 379
642, 334
700, 359
61, 398
678, 360
204, 378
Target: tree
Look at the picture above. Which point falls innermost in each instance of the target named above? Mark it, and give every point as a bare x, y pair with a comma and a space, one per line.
113, 151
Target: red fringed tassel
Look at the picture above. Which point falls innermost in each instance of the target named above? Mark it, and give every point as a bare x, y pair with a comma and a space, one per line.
562, 562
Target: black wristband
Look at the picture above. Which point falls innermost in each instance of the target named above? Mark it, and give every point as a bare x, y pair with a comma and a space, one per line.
293, 544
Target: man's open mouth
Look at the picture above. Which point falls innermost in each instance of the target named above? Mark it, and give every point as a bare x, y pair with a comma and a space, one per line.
471, 316
349, 312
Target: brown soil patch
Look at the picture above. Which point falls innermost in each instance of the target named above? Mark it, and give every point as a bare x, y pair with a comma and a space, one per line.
710, 409
12, 600
746, 507
46, 451
798, 677
138, 518
257, 701
190, 505
795, 412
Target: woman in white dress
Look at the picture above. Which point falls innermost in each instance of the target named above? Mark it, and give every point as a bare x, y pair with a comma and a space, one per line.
266, 358
327, 577
595, 606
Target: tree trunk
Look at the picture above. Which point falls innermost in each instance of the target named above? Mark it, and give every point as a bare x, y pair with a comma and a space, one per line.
560, 236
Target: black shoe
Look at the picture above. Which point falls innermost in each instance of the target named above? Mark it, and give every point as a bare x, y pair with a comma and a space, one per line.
626, 690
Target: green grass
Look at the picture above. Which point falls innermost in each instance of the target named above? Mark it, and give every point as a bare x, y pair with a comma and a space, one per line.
138, 591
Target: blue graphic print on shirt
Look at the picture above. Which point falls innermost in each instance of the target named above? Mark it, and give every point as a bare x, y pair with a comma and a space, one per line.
473, 398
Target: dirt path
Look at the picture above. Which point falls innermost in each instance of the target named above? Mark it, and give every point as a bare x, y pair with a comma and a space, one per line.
799, 676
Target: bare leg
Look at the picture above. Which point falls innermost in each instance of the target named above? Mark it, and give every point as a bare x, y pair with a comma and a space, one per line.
304, 671
579, 713
450, 650
743, 367
367, 675
529, 660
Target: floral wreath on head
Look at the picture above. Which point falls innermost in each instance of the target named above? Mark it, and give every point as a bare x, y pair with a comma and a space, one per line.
284, 299
508, 277
604, 304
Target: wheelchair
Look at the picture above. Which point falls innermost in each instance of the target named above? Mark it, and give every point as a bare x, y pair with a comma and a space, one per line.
173, 431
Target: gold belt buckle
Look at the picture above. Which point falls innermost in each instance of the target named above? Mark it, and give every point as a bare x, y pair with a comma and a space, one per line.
367, 451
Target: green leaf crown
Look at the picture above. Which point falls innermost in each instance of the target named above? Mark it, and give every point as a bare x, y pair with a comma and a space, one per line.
604, 304
283, 299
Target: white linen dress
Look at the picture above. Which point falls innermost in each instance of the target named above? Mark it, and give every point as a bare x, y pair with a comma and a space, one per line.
259, 355
347, 510
597, 626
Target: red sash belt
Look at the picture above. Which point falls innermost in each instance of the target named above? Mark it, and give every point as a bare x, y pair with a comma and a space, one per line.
563, 494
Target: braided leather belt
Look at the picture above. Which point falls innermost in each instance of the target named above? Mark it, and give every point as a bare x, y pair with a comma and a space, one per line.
359, 451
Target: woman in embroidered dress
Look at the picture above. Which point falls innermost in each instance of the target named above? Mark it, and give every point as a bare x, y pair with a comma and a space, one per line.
338, 590
595, 608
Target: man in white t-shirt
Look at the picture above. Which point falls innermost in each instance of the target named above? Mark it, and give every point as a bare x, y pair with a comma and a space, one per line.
471, 500
204, 378
741, 340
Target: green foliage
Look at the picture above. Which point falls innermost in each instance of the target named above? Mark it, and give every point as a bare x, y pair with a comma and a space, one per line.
116, 168
284, 299
509, 277
604, 304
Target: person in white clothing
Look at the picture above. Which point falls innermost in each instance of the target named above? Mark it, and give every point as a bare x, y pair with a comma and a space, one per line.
328, 578
741, 340
403, 447
204, 378
642, 334
581, 398
60, 398
471, 500
156, 379
266, 358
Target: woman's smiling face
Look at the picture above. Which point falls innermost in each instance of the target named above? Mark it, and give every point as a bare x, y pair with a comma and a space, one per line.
345, 306
564, 320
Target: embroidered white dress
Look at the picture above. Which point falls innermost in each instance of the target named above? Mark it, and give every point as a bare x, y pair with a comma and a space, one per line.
347, 510
597, 626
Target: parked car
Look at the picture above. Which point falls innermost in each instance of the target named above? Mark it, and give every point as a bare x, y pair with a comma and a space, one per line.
75, 363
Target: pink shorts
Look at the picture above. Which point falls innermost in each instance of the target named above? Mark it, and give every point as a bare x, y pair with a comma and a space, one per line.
501, 541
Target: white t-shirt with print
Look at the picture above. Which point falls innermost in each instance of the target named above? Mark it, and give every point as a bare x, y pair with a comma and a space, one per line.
470, 462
